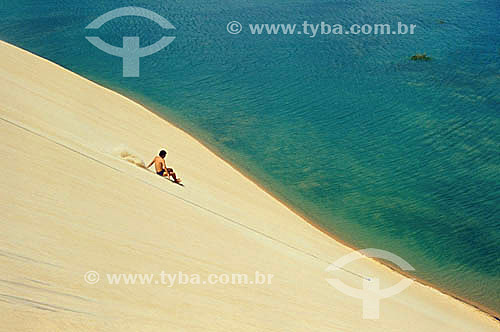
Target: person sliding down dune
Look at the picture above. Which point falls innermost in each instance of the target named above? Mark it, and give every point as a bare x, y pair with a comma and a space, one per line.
161, 167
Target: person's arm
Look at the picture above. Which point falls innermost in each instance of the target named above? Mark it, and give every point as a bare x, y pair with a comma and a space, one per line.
164, 165
151, 163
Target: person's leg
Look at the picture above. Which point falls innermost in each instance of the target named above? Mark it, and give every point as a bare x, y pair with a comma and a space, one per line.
172, 173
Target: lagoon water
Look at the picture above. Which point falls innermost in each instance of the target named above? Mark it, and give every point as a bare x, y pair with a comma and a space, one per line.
380, 150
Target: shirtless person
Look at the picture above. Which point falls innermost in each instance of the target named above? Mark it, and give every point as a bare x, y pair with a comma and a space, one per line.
161, 167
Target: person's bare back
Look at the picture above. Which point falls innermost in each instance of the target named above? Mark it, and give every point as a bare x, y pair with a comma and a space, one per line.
159, 164
161, 167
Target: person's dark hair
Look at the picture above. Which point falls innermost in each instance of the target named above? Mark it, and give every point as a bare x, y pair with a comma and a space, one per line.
163, 153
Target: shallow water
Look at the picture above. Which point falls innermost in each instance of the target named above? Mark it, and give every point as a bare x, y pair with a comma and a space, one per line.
381, 151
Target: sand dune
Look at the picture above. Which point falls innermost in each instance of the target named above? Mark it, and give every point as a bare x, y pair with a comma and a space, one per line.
75, 200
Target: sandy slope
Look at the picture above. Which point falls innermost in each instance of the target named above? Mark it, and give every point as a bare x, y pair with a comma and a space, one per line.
70, 203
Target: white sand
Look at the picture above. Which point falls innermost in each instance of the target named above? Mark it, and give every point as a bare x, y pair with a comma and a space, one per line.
71, 204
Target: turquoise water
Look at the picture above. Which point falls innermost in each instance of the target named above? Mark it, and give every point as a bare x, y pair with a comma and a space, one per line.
381, 151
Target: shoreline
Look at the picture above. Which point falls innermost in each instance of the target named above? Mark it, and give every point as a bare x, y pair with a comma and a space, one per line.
483, 309
475, 306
